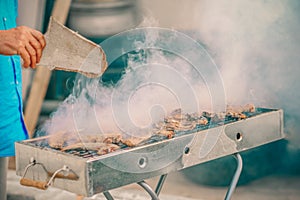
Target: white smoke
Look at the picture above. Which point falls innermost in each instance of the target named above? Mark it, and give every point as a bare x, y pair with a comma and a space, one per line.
155, 83
254, 43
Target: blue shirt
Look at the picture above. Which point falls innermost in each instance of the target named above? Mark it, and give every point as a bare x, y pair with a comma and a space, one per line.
12, 127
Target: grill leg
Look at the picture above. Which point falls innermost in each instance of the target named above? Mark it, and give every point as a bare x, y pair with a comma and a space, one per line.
160, 184
149, 190
108, 195
236, 176
145, 186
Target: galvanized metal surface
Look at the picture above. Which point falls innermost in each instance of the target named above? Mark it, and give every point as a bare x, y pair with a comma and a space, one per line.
127, 166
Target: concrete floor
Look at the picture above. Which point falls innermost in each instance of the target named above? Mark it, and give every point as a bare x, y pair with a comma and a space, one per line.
177, 187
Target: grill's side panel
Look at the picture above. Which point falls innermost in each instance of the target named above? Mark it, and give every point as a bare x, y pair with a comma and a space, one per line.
115, 170
131, 166
262, 129
52, 161
234, 137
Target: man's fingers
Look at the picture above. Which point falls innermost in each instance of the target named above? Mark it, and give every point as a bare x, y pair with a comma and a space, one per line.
33, 55
39, 37
26, 42
25, 56
38, 42
37, 47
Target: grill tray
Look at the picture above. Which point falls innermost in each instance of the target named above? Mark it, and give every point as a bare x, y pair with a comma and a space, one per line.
155, 157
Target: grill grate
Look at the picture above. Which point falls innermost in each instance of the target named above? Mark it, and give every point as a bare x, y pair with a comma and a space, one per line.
212, 122
82, 153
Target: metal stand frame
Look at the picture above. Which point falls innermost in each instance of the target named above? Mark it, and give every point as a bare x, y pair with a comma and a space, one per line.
108, 195
149, 190
235, 177
154, 194
146, 187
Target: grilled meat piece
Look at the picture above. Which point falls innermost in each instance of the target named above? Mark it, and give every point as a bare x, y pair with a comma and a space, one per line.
202, 121
134, 141
57, 140
236, 115
238, 112
107, 148
167, 133
114, 138
241, 109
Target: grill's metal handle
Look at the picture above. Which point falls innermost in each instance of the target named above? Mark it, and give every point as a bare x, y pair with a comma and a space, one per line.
32, 183
69, 174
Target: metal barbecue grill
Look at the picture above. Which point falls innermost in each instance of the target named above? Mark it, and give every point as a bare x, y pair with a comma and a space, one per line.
85, 172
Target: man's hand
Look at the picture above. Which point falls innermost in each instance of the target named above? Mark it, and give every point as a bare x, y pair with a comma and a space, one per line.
24, 41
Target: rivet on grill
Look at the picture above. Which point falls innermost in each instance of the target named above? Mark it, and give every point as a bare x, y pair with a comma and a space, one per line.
239, 136
187, 150
142, 162
32, 160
